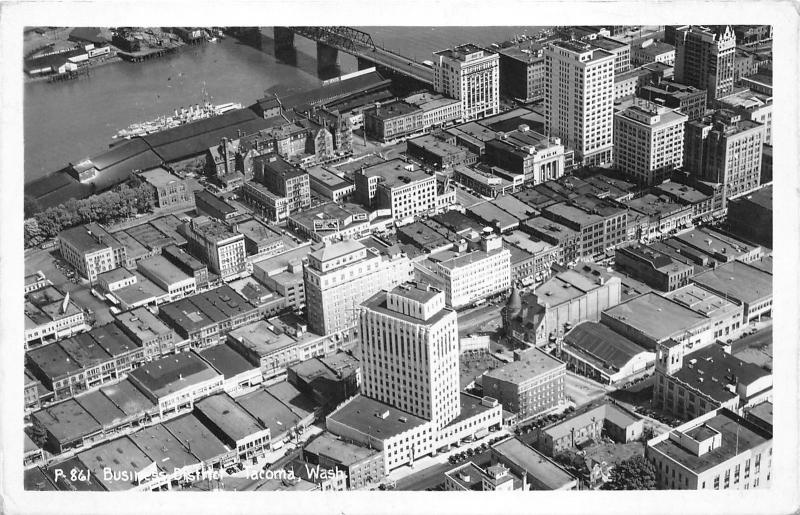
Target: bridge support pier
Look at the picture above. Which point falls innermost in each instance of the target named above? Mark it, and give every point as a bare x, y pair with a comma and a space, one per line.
326, 56
284, 39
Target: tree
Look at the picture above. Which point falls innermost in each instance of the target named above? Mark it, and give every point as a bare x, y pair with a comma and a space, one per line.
632, 474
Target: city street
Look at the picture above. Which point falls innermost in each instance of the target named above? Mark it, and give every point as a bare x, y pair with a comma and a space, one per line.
755, 348
485, 318
581, 390
425, 471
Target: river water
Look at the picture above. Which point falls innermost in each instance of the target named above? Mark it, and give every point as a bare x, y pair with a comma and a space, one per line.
65, 122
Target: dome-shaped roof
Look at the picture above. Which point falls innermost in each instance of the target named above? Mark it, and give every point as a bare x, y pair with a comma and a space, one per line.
514, 303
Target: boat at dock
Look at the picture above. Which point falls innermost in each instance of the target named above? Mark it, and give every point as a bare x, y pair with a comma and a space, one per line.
179, 117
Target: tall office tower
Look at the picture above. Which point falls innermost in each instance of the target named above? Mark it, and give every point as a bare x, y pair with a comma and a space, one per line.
472, 75
648, 141
340, 276
705, 58
579, 99
725, 149
409, 352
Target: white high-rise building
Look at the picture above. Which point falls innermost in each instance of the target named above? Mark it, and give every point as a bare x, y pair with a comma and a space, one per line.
579, 99
475, 275
341, 276
648, 141
409, 352
470, 74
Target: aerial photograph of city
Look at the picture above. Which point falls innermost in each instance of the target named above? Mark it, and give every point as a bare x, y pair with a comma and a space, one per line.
383, 258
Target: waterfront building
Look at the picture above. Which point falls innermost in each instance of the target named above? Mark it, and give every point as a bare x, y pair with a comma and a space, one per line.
437, 110
648, 142
704, 58
392, 120
170, 191
472, 75
522, 71
579, 99
716, 451
340, 276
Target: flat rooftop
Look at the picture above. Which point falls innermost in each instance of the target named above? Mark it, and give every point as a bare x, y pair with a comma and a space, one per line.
703, 301
163, 448
161, 268
280, 262
173, 373
259, 338
53, 360
143, 290
159, 177
269, 412
436, 146
144, 325
655, 316
225, 360
128, 398
737, 280
571, 284
328, 178
489, 213
378, 304
711, 369
101, 408
526, 458
120, 455
415, 291
395, 173
574, 214
365, 415
470, 407
199, 440
532, 363
389, 110
229, 417
737, 435
67, 421
338, 450
80, 238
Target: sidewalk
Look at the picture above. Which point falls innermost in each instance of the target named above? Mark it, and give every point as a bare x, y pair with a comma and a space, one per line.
431, 461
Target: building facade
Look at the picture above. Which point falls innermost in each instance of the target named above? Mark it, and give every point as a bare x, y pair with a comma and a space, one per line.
725, 149
217, 245
409, 349
648, 142
472, 75
705, 58
340, 276
579, 99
